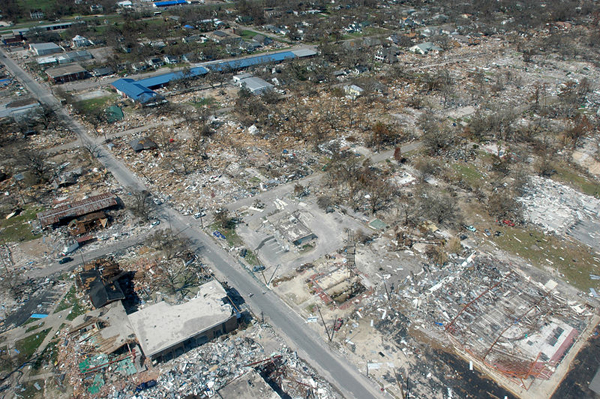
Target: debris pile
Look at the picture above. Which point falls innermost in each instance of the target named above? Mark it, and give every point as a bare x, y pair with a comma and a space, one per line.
556, 207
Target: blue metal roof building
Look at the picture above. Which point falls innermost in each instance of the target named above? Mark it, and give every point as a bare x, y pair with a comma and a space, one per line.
141, 92
135, 91
162, 80
169, 3
250, 61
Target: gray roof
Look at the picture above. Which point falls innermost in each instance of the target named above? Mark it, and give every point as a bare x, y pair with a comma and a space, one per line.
162, 326
64, 70
254, 84
45, 46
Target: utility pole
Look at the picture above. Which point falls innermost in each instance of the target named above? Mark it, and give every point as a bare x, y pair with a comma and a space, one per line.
273, 275
324, 324
262, 271
399, 382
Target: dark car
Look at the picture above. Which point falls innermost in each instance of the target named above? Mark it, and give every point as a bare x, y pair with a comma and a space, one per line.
64, 260
145, 385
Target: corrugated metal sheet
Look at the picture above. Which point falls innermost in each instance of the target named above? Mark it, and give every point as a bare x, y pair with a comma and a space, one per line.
77, 208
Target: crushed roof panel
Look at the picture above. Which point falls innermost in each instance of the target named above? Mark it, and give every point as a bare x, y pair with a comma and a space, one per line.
77, 208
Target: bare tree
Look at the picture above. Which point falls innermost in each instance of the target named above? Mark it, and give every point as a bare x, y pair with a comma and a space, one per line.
141, 205
438, 207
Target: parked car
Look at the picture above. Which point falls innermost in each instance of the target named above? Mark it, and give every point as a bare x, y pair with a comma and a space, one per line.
64, 260
471, 228
258, 268
509, 222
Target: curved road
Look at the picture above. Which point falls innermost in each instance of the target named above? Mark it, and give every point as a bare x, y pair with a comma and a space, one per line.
310, 346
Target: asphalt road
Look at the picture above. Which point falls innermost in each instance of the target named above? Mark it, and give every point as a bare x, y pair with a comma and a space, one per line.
80, 256
310, 346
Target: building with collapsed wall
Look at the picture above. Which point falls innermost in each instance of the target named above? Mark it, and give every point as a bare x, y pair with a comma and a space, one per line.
68, 212
293, 229
165, 331
104, 347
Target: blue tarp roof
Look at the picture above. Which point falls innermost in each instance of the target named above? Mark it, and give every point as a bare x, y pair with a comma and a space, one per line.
188, 26
161, 80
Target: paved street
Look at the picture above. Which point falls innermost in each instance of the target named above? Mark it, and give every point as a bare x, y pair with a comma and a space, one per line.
309, 345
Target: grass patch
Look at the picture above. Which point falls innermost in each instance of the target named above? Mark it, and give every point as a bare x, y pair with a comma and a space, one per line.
251, 259
205, 101
48, 356
78, 310
29, 345
68, 301
469, 173
578, 181
28, 391
5, 360
95, 104
230, 235
248, 34
574, 261
17, 228
34, 327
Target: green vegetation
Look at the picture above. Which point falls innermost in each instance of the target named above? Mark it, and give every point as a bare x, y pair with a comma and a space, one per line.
95, 104
469, 173
18, 228
5, 360
48, 356
247, 34
70, 301
231, 236
251, 259
28, 391
43, 5
78, 310
205, 101
35, 326
573, 260
29, 345
567, 175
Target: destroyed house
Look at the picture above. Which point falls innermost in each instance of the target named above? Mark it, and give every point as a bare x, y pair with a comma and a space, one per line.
294, 230
164, 330
106, 342
99, 281
65, 213
142, 144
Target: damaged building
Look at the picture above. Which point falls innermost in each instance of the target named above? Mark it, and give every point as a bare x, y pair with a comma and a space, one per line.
99, 280
65, 213
293, 229
104, 347
165, 331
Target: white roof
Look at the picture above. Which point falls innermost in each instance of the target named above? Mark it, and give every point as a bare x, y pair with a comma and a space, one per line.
44, 46
255, 84
161, 326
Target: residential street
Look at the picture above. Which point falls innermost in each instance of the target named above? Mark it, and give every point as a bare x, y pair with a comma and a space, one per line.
342, 375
